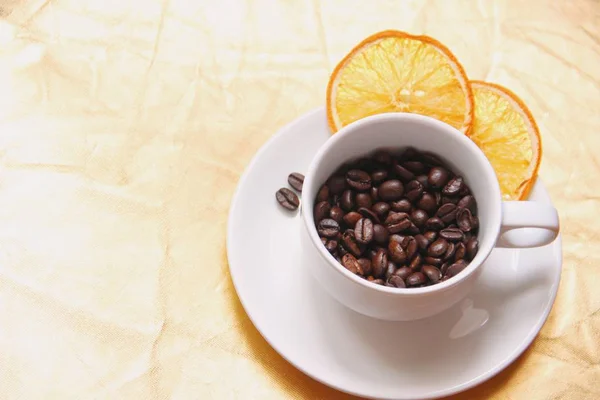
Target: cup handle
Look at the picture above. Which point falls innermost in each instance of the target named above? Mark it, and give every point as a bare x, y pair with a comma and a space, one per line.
528, 214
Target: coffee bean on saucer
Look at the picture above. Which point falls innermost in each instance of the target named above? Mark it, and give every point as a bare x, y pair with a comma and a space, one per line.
287, 199
296, 180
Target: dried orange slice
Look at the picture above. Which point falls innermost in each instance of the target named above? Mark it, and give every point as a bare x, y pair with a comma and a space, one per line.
508, 135
394, 71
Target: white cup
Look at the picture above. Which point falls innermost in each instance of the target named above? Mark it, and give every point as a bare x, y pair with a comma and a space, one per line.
396, 131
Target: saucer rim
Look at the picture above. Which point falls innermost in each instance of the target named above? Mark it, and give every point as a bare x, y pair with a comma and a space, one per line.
556, 247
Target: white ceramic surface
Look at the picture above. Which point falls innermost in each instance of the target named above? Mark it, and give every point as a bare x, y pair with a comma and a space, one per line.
428, 358
399, 130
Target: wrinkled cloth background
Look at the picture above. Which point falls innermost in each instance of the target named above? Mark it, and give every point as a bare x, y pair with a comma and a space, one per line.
124, 127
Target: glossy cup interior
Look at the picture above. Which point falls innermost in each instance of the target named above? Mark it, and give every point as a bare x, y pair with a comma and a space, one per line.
396, 131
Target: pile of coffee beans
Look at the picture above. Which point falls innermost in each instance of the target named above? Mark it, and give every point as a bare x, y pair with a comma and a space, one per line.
288, 199
401, 220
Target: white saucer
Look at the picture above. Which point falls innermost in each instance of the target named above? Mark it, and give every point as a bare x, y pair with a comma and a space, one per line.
434, 357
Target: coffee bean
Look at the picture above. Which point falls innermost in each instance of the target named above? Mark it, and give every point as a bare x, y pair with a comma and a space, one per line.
363, 231
337, 184
416, 167
390, 270
434, 224
452, 234
446, 200
463, 220
468, 202
403, 272
365, 212
351, 244
380, 234
455, 268
414, 190
336, 214
450, 251
431, 236
427, 203
323, 194
331, 245
374, 194
379, 263
410, 247
322, 210
328, 228
416, 279
419, 217
352, 218
296, 180
472, 247
378, 176
287, 199
351, 263
397, 222
358, 179
444, 268
379, 281
363, 200
416, 262
381, 209
365, 266
401, 206
437, 248
391, 190
433, 261
438, 177
403, 173
422, 242
460, 252
447, 213
347, 200
432, 273
422, 179
397, 281
396, 252
453, 187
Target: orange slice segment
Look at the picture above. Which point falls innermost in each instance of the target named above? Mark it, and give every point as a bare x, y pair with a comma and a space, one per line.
508, 135
394, 71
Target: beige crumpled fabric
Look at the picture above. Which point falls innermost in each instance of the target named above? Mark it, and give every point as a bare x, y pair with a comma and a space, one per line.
125, 125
